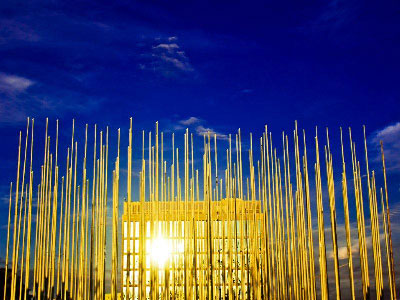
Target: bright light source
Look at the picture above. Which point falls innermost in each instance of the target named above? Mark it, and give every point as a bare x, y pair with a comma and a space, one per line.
180, 247
160, 251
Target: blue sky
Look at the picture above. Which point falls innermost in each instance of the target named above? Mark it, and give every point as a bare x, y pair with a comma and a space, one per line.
208, 66
319, 63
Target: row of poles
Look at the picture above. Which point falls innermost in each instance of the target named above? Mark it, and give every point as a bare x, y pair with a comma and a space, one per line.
268, 253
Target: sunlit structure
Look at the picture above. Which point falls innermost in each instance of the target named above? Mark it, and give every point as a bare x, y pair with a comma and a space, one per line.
245, 235
174, 240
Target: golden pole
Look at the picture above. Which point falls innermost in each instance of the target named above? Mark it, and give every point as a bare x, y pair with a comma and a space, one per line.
105, 214
309, 222
114, 278
46, 225
50, 285
289, 254
68, 220
389, 229
374, 224
83, 223
66, 217
331, 193
227, 244
28, 246
86, 292
62, 283
38, 218
91, 259
60, 237
44, 196
321, 225
23, 243
8, 241
129, 199
143, 229
17, 236
360, 220
235, 220
74, 213
347, 220
391, 283
74, 262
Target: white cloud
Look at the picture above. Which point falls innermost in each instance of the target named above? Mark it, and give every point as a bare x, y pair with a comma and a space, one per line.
190, 121
390, 137
201, 130
395, 211
178, 63
389, 133
13, 84
168, 58
178, 127
168, 47
342, 252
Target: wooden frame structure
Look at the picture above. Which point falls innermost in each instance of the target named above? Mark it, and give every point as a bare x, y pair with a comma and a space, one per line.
228, 229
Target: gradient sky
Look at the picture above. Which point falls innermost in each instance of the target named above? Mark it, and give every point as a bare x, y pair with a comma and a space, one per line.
208, 66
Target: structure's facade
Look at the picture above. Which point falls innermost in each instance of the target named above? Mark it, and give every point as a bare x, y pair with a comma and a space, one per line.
166, 247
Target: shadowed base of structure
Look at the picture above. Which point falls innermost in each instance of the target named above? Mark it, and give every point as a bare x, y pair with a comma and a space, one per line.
8, 295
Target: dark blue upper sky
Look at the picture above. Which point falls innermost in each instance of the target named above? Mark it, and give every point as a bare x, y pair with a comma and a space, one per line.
227, 64
233, 64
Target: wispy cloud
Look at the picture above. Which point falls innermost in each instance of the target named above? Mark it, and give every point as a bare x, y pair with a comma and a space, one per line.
200, 127
169, 47
15, 30
333, 17
14, 99
197, 125
201, 130
16, 107
190, 121
395, 212
390, 137
13, 84
167, 58
180, 62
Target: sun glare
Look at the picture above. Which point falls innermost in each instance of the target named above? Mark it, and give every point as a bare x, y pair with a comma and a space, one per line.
160, 251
